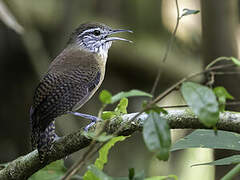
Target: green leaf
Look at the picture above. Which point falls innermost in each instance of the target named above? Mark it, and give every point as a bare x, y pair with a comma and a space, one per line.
159, 110
235, 159
103, 152
187, 12
162, 177
156, 135
131, 93
222, 95
139, 176
154, 108
102, 159
208, 139
105, 97
122, 107
101, 138
235, 61
55, 170
104, 137
108, 115
203, 102
98, 174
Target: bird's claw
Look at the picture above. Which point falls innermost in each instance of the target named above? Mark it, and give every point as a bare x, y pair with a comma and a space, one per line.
94, 119
89, 125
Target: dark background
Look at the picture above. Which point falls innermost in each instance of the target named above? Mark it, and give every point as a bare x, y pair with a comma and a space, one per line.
47, 25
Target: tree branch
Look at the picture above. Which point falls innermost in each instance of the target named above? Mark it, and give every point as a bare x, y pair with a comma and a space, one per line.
24, 166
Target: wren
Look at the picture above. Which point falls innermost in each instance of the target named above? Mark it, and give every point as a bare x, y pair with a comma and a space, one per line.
71, 80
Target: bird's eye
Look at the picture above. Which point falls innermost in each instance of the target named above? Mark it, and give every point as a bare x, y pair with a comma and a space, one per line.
96, 32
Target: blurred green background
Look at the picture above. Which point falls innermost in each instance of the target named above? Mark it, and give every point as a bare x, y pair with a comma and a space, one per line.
47, 25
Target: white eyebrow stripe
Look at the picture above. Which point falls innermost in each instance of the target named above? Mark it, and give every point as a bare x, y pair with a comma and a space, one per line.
88, 30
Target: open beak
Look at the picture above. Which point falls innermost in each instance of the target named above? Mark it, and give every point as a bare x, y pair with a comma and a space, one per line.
118, 38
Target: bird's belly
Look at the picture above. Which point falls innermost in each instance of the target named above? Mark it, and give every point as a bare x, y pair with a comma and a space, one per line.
89, 94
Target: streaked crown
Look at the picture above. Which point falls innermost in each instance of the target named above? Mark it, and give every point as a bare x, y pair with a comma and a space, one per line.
95, 37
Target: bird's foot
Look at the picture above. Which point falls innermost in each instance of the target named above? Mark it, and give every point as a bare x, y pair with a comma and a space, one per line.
94, 119
89, 125
86, 116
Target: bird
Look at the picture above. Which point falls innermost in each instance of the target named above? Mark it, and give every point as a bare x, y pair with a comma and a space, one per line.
70, 81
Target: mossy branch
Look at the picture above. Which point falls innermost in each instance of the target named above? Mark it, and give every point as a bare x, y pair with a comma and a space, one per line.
24, 166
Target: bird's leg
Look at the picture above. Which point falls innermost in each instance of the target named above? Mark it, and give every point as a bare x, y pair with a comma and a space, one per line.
86, 116
94, 119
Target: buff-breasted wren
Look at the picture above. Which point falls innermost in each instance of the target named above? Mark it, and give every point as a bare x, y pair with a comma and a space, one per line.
71, 80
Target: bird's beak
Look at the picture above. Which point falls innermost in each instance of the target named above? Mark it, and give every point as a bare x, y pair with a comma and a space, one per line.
118, 38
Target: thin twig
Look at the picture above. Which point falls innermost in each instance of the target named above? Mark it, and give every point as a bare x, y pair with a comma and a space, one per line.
101, 110
173, 34
174, 106
218, 60
167, 50
170, 89
74, 168
234, 103
174, 86
225, 73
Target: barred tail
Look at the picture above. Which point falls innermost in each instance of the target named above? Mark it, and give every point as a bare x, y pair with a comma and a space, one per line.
45, 140
34, 129
41, 138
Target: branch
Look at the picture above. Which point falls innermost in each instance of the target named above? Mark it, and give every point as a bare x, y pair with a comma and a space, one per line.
169, 45
24, 166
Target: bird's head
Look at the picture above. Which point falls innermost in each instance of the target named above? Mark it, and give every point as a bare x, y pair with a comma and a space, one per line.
94, 37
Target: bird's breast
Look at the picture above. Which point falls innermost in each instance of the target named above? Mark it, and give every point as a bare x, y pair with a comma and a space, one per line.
94, 82
83, 69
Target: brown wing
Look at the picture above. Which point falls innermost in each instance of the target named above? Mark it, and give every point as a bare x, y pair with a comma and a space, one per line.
58, 94
61, 89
